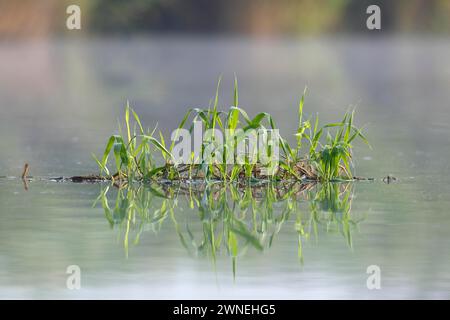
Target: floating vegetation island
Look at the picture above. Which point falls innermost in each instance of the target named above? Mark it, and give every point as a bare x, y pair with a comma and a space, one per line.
238, 193
320, 154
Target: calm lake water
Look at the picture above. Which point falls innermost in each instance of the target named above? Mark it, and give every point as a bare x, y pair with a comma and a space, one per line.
60, 101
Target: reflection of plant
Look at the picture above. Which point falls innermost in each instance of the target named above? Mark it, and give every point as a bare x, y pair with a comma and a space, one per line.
331, 207
233, 218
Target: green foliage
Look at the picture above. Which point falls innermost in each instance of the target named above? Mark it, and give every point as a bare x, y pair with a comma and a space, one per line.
333, 158
137, 154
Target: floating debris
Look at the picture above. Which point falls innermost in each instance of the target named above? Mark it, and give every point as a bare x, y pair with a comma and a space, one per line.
26, 169
389, 179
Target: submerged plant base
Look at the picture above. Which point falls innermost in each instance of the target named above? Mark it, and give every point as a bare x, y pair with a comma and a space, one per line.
192, 178
299, 172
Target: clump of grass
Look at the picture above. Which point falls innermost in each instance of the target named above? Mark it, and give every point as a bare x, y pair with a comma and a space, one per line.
321, 153
134, 151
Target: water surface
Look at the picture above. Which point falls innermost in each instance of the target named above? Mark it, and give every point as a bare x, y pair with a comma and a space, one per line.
60, 100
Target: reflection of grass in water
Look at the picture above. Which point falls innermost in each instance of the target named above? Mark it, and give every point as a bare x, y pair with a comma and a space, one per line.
233, 218
331, 206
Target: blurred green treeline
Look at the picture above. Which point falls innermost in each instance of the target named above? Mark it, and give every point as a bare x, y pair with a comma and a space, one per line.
265, 17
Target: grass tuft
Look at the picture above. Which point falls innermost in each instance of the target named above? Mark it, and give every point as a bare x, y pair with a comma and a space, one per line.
321, 153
